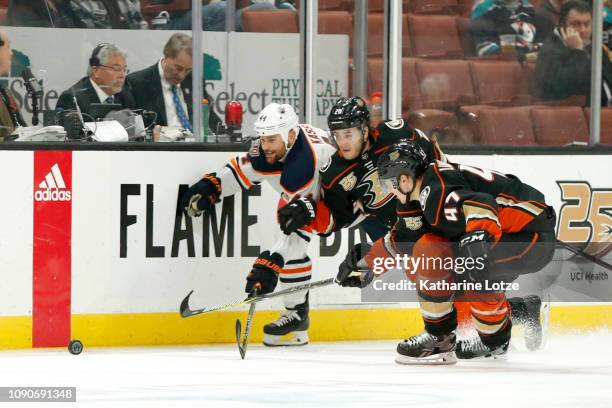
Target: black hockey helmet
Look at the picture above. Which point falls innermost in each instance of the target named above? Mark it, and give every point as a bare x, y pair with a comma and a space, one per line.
348, 113
403, 157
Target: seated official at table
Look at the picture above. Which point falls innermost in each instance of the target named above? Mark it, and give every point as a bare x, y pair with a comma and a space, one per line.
104, 83
166, 87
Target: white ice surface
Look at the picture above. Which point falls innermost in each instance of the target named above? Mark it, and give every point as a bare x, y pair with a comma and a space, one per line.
572, 371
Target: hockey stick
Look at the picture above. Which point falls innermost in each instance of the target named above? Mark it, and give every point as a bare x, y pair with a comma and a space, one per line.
187, 312
586, 256
242, 346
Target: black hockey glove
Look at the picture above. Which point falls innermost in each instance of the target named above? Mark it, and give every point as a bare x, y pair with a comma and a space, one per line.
354, 271
475, 245
297, 213
265, 272
202, 196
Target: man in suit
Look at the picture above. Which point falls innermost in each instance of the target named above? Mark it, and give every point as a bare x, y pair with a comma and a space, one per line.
104, 82
166, 88
10, 117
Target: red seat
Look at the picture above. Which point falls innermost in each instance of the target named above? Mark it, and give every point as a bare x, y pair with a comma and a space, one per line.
465, 36
506, 126
432, 7
499, 83
411, 95
270, 21
434, 36
335, 22
559, 125
605, 126
411, 92
376, 35
376, 25
445, 84
376, 6
333, 5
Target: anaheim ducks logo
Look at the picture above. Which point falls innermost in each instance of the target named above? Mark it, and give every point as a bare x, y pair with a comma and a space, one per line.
373, 197
586, 217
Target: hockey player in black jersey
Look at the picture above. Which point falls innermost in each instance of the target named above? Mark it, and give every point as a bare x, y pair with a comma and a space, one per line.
468, 212
350, 189
351, 192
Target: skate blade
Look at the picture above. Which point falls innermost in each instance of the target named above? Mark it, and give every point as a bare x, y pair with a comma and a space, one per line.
488, 357
296, 338
436, 359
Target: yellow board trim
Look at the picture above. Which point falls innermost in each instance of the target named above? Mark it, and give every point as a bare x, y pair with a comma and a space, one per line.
112, 330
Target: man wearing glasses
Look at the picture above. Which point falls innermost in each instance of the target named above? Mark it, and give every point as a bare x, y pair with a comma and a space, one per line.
104, 82
166, 88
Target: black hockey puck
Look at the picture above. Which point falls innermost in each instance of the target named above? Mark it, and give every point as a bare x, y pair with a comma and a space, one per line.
75, 347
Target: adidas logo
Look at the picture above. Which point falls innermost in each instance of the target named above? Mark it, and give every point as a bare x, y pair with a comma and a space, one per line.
53, 187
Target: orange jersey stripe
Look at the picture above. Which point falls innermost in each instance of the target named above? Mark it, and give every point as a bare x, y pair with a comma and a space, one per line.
485, 224
297, 270
441, 195
240, 173
513, 219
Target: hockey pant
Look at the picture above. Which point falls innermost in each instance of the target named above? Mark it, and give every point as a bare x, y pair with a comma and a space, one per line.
528, 252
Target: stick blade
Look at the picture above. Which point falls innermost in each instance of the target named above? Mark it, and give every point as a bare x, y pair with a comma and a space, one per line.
238, 335
184, 309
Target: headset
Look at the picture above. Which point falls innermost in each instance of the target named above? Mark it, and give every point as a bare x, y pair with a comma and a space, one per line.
94, 60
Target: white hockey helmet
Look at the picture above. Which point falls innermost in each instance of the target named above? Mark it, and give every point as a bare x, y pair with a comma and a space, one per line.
276, 119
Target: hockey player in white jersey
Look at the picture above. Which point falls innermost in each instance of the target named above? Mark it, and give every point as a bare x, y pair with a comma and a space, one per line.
289, 156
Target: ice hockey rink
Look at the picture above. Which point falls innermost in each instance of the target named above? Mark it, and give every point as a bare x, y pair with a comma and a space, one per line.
572, 370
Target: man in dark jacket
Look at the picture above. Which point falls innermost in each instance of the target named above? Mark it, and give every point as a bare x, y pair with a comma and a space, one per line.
104, 82
166, 87
564, 62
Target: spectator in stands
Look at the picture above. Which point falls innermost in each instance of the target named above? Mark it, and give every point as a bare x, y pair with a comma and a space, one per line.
547, 18
498, 25
165, 87
104, 82
76, 14
564, 62
10, 117
213, 14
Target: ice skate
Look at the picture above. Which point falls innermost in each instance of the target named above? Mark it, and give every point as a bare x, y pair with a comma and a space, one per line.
427, 349
291, 329
474, 348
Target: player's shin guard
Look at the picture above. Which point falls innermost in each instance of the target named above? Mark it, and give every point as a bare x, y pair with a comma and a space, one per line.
291, 328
